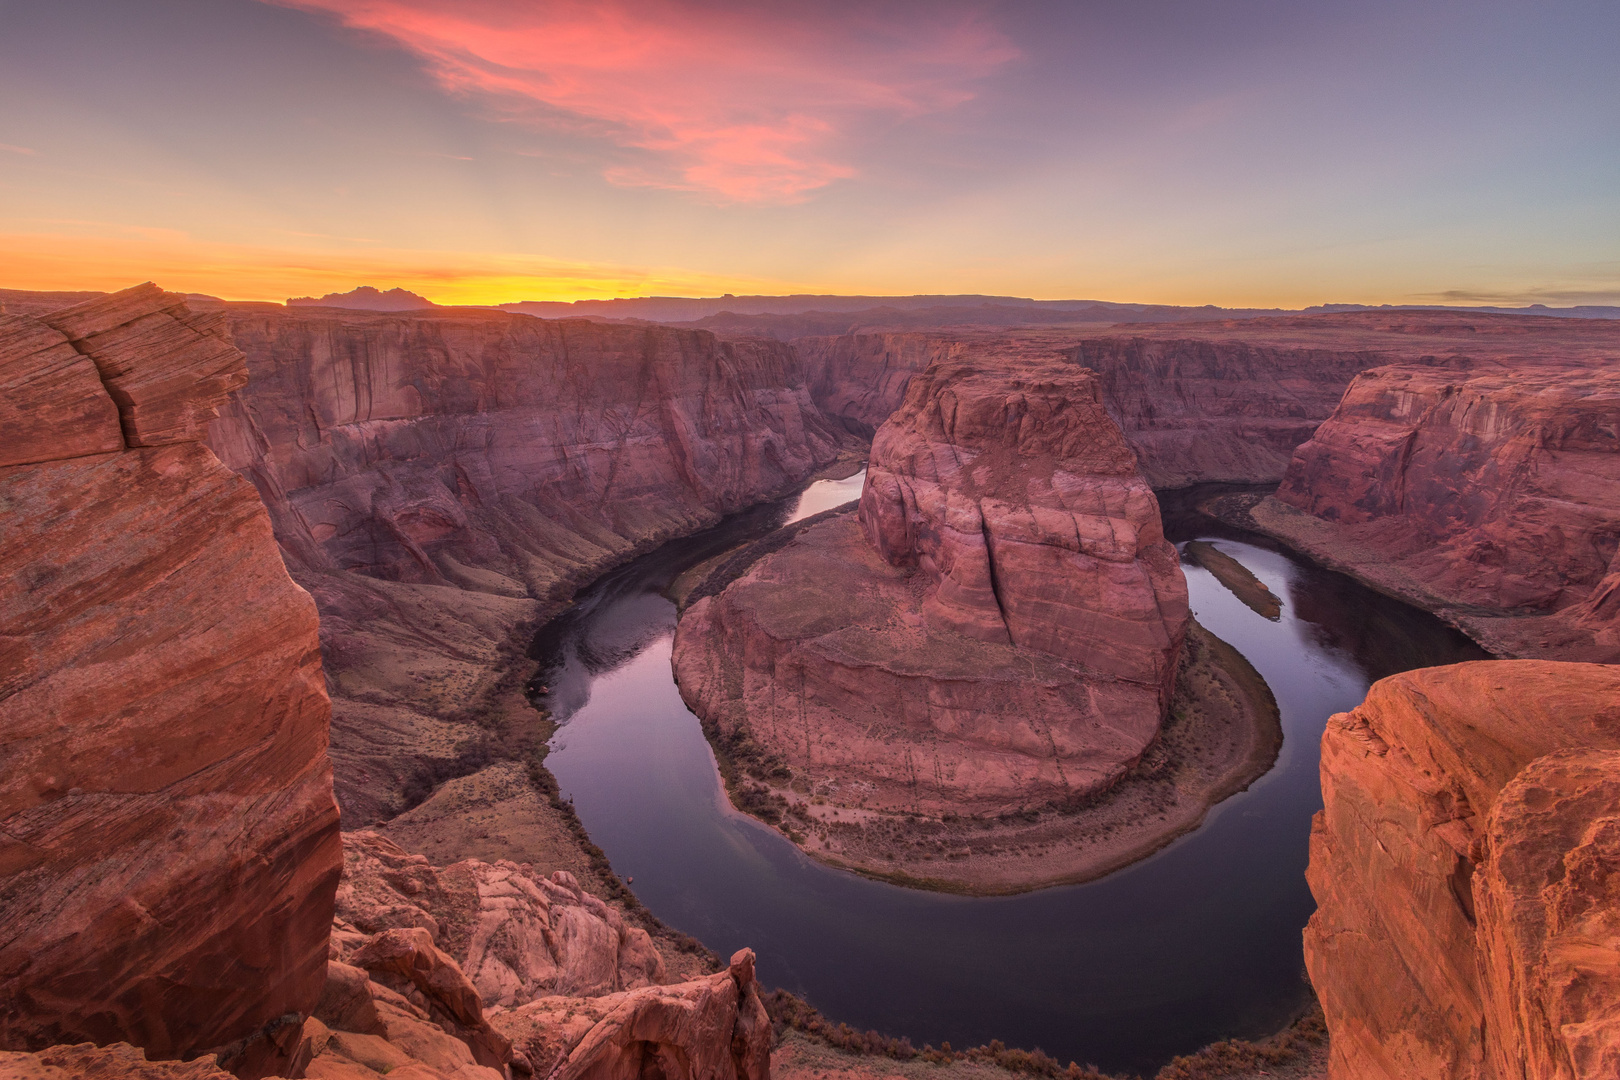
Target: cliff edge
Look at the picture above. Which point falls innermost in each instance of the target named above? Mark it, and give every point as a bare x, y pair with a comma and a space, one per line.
169, 844
1468, 921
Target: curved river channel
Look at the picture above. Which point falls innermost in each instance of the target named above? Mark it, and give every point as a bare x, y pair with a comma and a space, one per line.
1197, 943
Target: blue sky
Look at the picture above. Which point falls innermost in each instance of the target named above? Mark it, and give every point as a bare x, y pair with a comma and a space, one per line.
1243, 153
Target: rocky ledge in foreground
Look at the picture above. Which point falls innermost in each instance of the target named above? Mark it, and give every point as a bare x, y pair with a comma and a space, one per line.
1464, 866
479, 971
929, 692
1486, 491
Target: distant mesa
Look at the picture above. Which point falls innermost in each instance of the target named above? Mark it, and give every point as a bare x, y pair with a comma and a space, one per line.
366, 298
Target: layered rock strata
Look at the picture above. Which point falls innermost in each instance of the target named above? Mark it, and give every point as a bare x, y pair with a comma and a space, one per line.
999, 630
441, 480
478, 971
1193, 410
1224, 401
1487, 491
168, 838
1468, 921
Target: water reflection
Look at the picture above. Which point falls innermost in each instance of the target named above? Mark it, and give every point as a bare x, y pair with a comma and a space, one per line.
1197, 943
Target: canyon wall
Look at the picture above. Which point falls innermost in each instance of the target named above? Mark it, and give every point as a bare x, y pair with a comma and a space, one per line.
1195, 410
861, 378
1468, 921
169, 844
1488, 490
1217, 411
1224, 401
441, 480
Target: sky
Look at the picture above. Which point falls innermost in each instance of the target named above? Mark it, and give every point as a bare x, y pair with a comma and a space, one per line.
1234, 152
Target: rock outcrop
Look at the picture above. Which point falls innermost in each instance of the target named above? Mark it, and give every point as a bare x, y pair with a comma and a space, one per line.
169, 844
1021, 505
1487, 491
440, 480
517, 934
998, 631
1468, 921
463, 972
711, 1027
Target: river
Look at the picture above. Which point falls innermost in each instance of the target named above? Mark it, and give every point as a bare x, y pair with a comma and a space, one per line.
1197, 943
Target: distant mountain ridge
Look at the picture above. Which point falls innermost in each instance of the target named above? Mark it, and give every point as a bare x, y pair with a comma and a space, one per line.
691, 309
735, 313
366, 298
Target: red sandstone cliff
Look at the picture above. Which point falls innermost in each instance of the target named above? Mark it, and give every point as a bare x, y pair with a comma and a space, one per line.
1469, 919
439, 480
1488, 490
168, 839
999, 631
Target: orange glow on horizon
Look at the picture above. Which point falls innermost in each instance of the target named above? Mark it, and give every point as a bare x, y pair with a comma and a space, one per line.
73, 262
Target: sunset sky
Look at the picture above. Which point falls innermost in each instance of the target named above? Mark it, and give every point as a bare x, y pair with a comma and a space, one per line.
1245, 152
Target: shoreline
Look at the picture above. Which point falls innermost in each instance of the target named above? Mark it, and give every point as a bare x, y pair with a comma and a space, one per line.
1542, 636
1223, 733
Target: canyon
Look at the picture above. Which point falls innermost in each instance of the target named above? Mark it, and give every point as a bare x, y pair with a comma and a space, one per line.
438, 484
1206, 402
175, 883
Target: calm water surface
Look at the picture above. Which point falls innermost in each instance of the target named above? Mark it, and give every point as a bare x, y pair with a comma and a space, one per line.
1197, 943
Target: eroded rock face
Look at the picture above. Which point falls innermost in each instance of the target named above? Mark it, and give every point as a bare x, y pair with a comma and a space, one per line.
711, 1027
1489, 489
999, 630
466, 971
1467, 922
1222, 408
1015, 495
168, 839
440, 480
517, 934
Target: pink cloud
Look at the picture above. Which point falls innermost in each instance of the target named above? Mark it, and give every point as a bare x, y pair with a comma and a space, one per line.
743, 102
